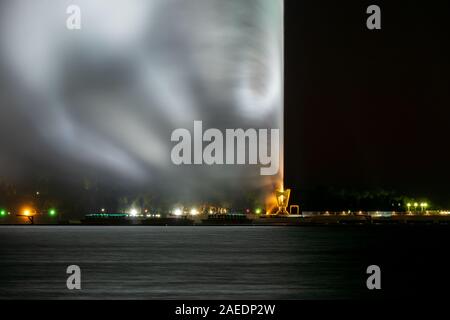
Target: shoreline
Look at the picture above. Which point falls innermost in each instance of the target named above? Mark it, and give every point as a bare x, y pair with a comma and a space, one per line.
335, 223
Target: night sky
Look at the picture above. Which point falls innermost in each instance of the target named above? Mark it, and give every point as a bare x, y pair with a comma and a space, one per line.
366, 108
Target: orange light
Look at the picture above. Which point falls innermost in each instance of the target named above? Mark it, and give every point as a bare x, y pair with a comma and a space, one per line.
27, 211
271, 202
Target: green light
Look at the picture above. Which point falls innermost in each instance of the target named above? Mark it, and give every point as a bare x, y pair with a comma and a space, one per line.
3, 213
258, 211
52, 212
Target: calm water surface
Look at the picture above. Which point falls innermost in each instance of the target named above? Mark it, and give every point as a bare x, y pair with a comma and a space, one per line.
214, 262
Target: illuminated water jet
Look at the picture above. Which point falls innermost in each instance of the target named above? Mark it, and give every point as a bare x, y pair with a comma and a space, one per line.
105, 99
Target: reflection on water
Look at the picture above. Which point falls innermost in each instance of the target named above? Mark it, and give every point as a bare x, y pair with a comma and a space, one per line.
201, 262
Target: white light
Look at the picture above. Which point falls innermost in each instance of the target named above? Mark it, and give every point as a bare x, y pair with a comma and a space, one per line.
177, 212
133, 212
194, 212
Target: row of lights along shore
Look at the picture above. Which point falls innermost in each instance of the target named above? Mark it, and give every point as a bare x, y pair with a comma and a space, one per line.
28, 212
415, 205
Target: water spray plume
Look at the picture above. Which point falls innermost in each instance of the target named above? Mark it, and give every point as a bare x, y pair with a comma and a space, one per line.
106, 99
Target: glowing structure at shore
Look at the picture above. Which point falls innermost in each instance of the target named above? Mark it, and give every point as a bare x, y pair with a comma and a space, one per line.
27, 213
282, 197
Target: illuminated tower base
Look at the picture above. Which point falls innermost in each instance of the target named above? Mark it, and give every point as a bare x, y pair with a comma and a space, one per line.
282, 201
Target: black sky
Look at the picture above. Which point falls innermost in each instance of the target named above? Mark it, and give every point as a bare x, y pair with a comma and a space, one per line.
368, 109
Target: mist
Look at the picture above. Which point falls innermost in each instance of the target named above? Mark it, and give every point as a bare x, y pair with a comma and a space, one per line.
101, 102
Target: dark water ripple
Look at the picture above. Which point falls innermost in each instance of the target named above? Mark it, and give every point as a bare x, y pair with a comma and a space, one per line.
212, 262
